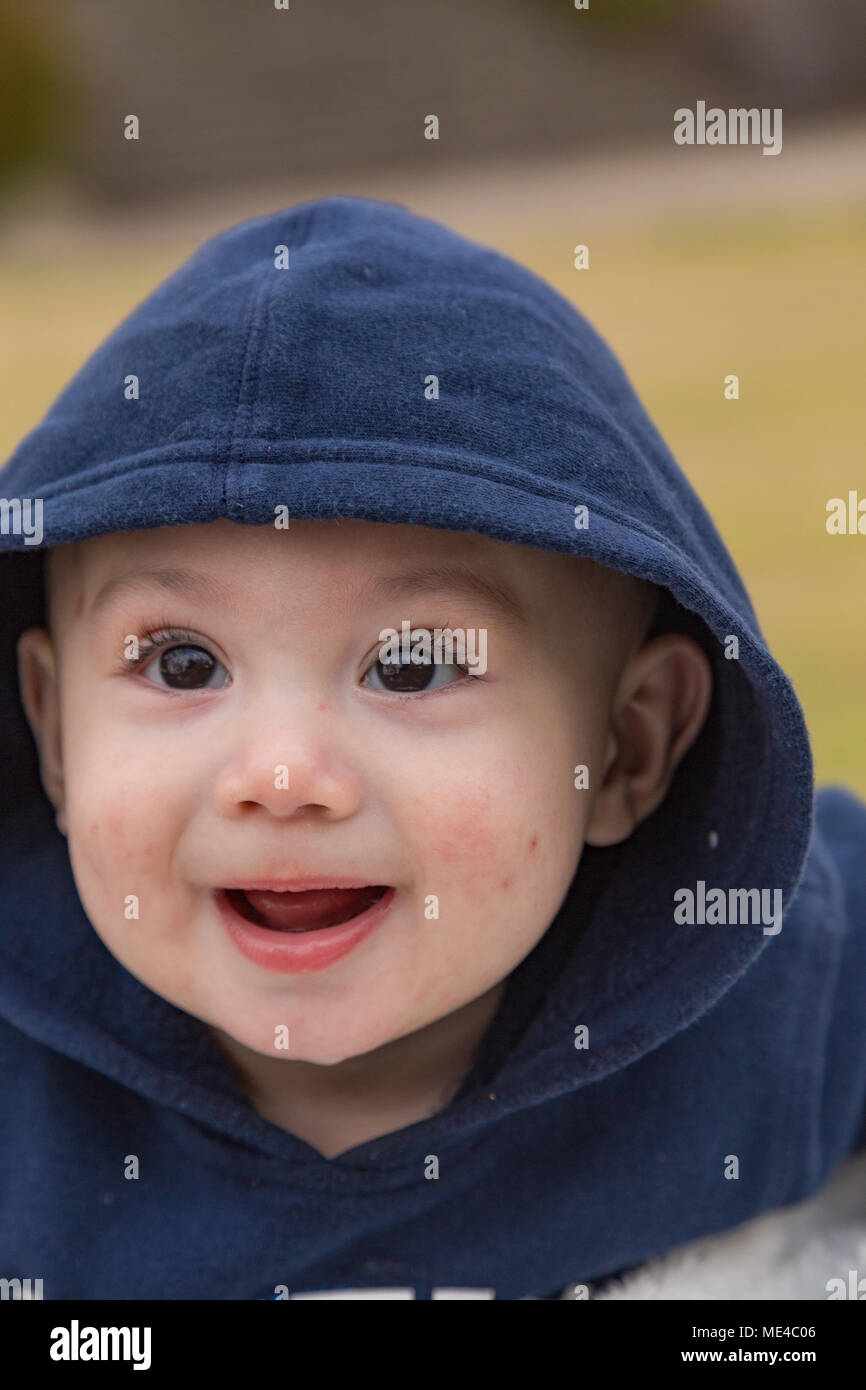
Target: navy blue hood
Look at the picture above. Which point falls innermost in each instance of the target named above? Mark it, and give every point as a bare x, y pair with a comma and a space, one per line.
303, 386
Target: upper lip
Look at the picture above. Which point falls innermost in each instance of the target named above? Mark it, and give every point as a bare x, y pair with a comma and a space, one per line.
299, 885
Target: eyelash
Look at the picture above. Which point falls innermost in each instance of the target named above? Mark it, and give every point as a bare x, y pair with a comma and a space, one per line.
154, 641
162, 635
428, 694
403, 696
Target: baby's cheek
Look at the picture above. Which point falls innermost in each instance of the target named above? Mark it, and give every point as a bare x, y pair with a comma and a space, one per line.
480, 841
121, 875
522, 847
461, 829
113, 829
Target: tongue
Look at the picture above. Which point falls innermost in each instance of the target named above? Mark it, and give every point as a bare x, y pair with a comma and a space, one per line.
318, 907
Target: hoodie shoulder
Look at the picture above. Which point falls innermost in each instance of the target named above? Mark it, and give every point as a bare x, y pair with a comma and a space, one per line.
840, 820
840, 830
796, 1252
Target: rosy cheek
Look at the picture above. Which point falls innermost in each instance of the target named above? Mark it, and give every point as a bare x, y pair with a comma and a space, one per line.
464, 834
480, 853
112, 842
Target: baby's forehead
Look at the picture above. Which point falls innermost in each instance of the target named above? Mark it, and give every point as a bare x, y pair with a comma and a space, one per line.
357, 557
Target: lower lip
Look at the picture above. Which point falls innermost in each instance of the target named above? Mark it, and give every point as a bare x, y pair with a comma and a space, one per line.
300, 953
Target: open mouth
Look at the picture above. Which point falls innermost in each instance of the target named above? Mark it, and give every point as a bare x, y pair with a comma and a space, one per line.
303, 911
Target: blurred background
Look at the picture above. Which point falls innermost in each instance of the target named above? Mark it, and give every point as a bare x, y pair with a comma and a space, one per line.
555, 129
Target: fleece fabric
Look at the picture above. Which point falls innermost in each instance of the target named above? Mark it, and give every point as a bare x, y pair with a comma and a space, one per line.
288, 363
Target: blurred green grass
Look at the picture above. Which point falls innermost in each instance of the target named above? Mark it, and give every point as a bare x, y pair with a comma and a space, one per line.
683, 300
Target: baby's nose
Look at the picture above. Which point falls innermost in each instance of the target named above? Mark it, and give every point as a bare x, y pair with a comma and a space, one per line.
277, 774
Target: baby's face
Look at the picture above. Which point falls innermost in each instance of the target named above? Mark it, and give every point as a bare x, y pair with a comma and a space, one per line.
271, 745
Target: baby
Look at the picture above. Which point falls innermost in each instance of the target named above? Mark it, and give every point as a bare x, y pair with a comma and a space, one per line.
455, 788
301, 900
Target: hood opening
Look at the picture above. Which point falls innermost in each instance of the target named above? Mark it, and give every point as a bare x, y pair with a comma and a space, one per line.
260, 395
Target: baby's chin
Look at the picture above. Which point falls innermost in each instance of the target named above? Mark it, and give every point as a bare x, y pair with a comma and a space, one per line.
322, 1029
309, 1043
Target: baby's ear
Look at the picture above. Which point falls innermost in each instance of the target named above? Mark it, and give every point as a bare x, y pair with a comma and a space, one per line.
658, 711
37, 683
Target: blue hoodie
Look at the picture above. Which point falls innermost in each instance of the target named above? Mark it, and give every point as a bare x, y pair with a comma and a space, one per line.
285, 363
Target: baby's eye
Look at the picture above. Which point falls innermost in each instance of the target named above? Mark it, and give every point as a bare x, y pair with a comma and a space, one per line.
410, 677
186, 667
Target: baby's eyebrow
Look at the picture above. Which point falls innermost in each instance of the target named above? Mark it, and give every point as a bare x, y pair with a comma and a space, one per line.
174, 579
453, 579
